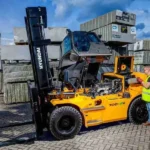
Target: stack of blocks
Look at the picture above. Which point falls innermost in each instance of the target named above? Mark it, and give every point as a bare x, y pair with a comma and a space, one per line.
17, 68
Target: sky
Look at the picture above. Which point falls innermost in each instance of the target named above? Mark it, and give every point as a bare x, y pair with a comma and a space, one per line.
71, 13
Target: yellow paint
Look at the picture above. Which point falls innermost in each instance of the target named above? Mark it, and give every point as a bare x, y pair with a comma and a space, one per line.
113, 107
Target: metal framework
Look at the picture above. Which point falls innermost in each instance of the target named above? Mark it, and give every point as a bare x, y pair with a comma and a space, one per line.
36, 21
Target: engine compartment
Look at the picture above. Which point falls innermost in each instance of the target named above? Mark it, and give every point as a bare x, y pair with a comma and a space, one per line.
109, 85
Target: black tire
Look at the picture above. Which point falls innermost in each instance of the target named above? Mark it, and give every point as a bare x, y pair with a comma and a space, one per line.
137, 112
65, 122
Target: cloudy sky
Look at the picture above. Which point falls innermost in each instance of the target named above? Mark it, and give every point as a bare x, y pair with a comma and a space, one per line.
71, 13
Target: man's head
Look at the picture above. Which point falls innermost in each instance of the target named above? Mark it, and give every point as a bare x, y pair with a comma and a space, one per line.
147, 70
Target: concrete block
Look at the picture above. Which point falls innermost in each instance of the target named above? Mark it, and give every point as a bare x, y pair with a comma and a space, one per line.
16, 92
56, 34
21, 52
17, 72
15, 52
20, 35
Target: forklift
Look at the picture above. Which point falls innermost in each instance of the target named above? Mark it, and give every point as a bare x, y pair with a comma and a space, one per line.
82, 98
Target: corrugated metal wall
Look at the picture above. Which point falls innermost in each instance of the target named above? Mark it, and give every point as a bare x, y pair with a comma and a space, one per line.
141, 52
142, 57
142, 45
117, 36
116, 16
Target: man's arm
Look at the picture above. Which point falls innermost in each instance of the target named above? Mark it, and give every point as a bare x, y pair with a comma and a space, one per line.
146, 84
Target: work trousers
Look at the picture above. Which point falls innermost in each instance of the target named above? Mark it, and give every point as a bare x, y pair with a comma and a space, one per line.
148, 109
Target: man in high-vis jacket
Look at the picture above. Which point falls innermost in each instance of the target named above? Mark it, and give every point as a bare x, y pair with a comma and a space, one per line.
146, 92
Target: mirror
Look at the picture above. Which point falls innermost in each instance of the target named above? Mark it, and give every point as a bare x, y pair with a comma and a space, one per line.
74, 57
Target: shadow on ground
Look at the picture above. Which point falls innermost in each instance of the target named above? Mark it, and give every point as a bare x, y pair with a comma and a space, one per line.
28, 137
14, 114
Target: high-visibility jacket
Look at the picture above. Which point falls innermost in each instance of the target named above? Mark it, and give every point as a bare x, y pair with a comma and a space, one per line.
146, 92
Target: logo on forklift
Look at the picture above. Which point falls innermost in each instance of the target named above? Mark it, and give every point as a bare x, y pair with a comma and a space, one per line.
116, 104
39, 58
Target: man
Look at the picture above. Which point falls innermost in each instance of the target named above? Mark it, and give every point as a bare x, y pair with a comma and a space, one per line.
146, 91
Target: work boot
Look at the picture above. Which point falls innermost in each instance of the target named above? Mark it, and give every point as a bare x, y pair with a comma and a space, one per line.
146, 123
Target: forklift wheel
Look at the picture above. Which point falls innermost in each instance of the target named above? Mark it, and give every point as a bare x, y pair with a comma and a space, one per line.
65, 122
138, 112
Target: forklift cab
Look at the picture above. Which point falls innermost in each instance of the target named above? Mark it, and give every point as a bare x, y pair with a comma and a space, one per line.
84, 44
83, 52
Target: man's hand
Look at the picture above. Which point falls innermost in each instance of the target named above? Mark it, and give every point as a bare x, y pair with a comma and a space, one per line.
139, 80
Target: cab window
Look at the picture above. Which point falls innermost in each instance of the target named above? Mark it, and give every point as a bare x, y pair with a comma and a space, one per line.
93, 38
81, 41
66, 45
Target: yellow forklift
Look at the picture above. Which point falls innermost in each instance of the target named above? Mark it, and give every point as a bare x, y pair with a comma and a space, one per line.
82, 99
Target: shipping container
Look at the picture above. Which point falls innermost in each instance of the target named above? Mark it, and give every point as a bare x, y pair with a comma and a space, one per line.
21, 52
140, 45
130, 47
142, 57
56, 34
139, 68
116, 33
131, 53
117, 17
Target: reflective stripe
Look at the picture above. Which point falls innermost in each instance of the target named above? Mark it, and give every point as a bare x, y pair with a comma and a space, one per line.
147, 93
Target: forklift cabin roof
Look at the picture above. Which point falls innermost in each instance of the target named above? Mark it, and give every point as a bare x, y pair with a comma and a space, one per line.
89, 44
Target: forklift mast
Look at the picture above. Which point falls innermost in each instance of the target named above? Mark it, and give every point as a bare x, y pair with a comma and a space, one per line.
36, 21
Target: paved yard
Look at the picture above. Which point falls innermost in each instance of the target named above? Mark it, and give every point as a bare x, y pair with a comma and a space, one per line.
115, 136
14, 114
